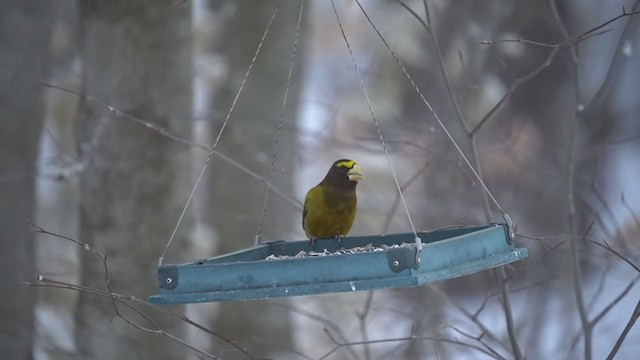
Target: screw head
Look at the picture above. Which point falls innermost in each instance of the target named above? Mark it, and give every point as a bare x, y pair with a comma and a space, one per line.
169, 280
396, 263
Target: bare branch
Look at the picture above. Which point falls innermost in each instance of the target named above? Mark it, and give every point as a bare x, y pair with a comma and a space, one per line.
615, 301
478, 339
124, 300
472, 316
634, 216
294, 351
362, 318
396, 200
117, 298
616, 253
616, 63
409, 338
524, 41
415, 145
328, 324
556, 48
443, 69
589, 239
632, 320
168, 134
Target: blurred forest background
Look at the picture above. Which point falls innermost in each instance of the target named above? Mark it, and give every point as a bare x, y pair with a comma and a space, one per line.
108, 109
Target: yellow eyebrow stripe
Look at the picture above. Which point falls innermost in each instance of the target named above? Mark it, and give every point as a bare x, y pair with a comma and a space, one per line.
346, 164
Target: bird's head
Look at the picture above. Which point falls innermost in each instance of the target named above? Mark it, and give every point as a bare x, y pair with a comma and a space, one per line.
344, 172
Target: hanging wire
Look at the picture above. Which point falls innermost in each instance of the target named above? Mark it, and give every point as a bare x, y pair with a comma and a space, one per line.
375, 122
444, 128
277, 140
224, 125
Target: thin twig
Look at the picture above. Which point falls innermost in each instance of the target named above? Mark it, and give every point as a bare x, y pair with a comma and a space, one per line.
616, 65
615, 252
429, 106
615, 301
327, 324
587, 328
414, 14
602, 282
563, 28
283, 347
117, 298
122, 299
339, 345
478, 339
556, 48
362, 318
504, 283
634, 216
473, 317
508, 313
632, 320
415, 145
589, 239
168, 134
443, 69
396, 200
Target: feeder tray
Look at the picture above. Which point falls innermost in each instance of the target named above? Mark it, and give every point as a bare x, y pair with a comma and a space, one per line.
361, 263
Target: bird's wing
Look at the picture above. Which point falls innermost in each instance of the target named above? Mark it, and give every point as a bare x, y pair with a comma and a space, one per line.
310, 200
304, 212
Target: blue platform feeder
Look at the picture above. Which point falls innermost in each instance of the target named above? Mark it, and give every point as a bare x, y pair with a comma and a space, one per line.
291, 268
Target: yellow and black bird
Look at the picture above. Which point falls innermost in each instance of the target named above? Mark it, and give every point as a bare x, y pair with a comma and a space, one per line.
330, 207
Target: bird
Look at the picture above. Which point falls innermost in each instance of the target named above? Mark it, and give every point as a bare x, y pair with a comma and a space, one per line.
330, 207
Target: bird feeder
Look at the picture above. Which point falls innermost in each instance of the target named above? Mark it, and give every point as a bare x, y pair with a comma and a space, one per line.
292, 268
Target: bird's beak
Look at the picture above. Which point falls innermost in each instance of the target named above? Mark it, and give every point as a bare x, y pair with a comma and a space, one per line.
355, 174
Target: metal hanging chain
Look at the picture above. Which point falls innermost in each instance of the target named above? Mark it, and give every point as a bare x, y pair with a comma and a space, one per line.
444, 128
277, 140
224, 125
375, 122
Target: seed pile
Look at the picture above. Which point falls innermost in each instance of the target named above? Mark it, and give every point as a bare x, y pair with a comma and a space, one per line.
356, 250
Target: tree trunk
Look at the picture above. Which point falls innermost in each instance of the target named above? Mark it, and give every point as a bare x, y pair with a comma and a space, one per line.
137, 57
24, 29
249, 138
